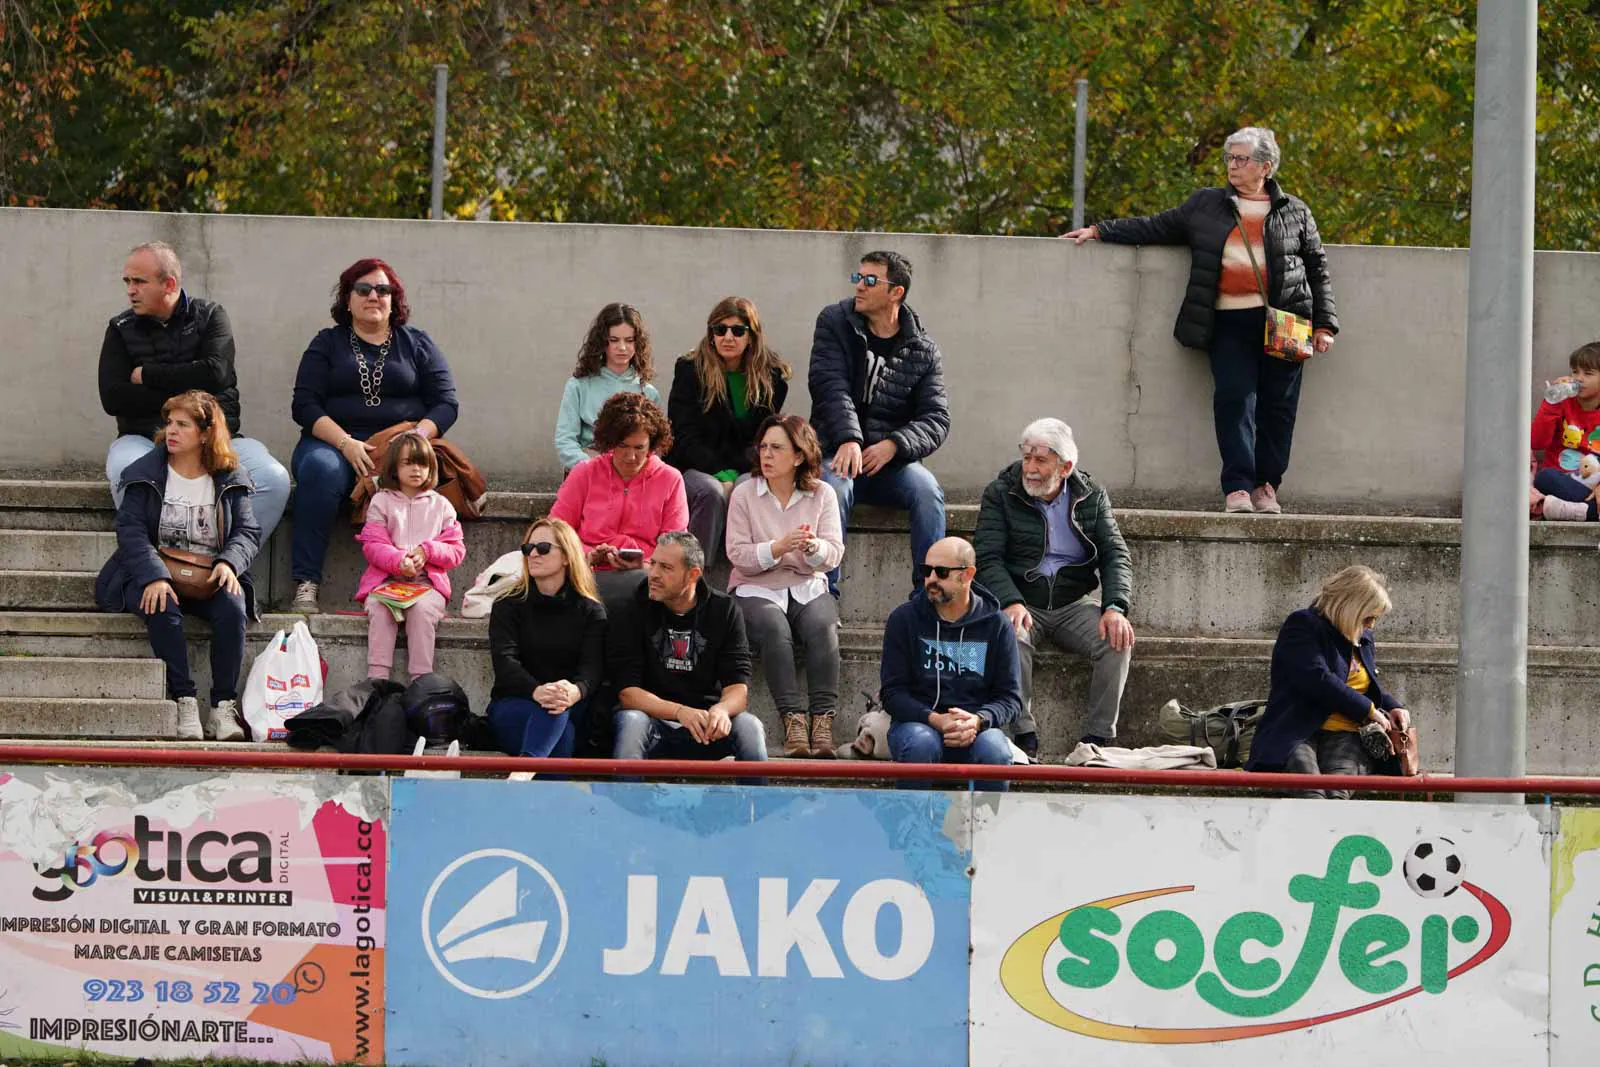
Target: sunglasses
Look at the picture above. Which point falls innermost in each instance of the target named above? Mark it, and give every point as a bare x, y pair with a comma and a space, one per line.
367, 289
722, 329
542, 547
869, 280
925, 569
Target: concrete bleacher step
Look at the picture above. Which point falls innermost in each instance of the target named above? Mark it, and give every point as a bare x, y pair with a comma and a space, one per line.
56, 550
47, 589
87, 717
83, 677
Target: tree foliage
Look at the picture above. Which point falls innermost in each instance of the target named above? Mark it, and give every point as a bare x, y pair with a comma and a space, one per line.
940, 115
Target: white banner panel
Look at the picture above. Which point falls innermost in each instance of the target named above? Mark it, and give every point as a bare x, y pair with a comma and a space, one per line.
1142, 930
1575, 941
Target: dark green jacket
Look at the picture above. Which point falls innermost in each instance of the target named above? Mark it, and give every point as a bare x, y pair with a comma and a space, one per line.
1011, 539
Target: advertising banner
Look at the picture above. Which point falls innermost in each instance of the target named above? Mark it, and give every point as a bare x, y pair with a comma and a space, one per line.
184, 914
560, 922
1575, 941
1194, 931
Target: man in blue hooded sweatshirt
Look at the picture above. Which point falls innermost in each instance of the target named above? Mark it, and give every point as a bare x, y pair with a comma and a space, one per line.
949, 673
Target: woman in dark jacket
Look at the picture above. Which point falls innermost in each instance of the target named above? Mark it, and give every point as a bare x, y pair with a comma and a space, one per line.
190, 495
721, 394
363, 375
1255, 396
547, 639
1325, 684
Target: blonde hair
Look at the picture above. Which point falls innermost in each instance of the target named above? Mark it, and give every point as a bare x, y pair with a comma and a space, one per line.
579, 576
216, 443
1351, 595
408, 447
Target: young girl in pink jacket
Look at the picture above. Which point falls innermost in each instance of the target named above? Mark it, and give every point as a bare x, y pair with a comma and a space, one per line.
411, 539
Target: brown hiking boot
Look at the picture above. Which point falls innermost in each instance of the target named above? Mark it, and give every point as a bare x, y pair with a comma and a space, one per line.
822, 737
794, 735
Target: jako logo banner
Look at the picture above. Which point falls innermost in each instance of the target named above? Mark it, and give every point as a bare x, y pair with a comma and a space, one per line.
1205, 925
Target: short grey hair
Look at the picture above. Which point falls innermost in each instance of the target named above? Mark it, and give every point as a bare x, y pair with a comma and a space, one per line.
1054, 435
166, 258
693, 554
1263, 145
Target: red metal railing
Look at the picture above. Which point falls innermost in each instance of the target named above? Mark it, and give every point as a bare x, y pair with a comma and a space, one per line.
870, 770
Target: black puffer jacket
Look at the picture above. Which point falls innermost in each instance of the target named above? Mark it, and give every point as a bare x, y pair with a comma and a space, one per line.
191, 350
1297, 268
909, 406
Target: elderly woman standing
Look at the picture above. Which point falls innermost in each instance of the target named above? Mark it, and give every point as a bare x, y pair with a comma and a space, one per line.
1255, 396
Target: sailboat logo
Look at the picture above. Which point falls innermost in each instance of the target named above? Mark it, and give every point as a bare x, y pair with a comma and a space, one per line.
492, 943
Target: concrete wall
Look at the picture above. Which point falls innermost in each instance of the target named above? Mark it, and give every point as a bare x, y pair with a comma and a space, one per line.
1028, 327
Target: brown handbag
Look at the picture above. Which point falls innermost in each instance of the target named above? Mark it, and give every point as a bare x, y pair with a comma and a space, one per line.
1404, 743
189, 572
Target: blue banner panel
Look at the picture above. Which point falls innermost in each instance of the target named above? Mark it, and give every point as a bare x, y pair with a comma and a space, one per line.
630, 924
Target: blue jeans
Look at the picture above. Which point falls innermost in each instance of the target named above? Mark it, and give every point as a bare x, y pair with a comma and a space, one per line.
910, 487
225, 613
267, 474
1254, 400
323, 480
1552, 481
641, 737
523, 728
917, 742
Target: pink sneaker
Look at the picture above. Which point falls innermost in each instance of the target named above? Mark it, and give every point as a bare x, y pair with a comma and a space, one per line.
1265, 499
1558, 510
1238, 500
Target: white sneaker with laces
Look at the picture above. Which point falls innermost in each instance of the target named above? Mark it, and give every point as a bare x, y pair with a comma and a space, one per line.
189, 720
222, 722
305, 599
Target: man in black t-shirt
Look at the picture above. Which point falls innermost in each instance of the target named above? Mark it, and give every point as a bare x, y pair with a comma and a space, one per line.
681, 663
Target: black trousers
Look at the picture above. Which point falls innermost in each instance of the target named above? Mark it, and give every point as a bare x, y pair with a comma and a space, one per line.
1254, 399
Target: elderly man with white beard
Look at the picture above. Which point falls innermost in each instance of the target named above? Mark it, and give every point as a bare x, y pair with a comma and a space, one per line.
1046, 542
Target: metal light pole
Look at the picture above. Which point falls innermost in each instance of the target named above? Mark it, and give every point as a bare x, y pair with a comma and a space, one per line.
1080, 144
441, 82
1492, 672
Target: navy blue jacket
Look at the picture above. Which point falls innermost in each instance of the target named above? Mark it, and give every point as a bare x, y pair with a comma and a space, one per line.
136, 561
417, 384
908, 405
1310, 665
932, 665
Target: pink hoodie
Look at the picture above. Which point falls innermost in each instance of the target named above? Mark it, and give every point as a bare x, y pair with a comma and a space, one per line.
605, 510
396, 524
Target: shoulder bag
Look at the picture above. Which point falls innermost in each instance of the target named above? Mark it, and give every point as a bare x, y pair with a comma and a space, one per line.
1288, 336
189, 572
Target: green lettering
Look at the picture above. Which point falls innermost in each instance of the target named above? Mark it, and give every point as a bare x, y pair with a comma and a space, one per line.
1096, 960
1327, 895
1369, 939
1189, 950
1229, 952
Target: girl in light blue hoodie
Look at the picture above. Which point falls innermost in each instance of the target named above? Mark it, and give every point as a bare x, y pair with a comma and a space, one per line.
615, 358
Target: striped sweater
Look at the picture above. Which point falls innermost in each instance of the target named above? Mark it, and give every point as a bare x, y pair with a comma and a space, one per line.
1237, 288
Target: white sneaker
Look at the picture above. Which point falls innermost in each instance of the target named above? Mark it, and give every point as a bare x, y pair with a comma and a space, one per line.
520, 776
189, 720
1558, 510
305, 599
222, 722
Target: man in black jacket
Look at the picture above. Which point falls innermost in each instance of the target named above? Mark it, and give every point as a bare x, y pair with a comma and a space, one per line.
878, 402
167, 343
681, 664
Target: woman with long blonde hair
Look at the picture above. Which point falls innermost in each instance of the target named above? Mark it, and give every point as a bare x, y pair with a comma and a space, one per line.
721, 394
1325, 684
547, 639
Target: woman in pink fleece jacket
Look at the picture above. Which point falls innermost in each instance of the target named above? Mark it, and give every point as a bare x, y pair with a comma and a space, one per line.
411, 537
784, 536
623, 499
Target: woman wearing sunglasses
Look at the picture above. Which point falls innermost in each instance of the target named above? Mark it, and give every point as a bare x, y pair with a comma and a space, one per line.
721, 392
547, 640
1325, 684
365, 373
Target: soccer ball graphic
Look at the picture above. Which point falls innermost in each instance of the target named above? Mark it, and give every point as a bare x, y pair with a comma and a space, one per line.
1432, 868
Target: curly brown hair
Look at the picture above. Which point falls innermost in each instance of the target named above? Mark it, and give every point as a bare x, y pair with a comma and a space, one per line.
624, 415
592, 355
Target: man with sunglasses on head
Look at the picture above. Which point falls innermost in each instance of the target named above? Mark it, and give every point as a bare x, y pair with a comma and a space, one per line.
949, 675
1046, 539
168, 342
878, 401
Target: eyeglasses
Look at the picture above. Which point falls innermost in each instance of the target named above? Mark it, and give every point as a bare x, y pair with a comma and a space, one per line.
367, 289
925, 569
869, 280
542, 547
722, 329
1236, 158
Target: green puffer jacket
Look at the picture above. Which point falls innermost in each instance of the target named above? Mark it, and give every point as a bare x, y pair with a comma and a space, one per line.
1011, 539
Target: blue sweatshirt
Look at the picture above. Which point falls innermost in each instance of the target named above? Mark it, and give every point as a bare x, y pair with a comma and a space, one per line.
932, 665
416, 385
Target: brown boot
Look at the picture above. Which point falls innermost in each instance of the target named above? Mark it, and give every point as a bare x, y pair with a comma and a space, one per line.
794, 735
822, 736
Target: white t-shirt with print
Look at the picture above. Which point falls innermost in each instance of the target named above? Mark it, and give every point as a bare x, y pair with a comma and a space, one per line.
190, 517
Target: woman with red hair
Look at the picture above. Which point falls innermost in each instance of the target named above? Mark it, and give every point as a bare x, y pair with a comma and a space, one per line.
368, 371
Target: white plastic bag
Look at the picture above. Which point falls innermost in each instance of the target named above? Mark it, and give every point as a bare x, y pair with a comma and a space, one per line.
285, 680
492, 581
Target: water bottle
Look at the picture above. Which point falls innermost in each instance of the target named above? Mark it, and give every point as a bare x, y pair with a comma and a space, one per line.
1555, 393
